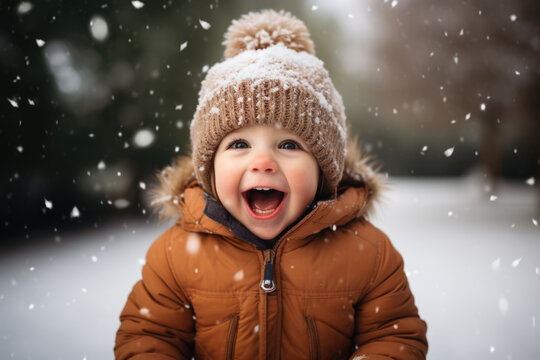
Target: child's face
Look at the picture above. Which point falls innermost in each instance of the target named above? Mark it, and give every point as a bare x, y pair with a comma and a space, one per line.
266, 177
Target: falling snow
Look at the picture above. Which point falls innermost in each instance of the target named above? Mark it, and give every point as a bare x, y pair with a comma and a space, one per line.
530, 181
205, 25
121, 203
75, 213
99, 28
239, 276
40, 42
48, 204
448, 152
24, 7
193, 243
13, 103
137, 4
143, 138
183, 45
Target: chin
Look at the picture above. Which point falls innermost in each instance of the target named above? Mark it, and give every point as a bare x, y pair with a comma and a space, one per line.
266, 234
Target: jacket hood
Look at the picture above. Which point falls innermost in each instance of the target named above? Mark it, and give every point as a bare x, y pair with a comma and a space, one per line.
167, 195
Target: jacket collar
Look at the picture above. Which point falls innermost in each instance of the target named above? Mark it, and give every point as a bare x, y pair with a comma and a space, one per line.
202, 213
217, 212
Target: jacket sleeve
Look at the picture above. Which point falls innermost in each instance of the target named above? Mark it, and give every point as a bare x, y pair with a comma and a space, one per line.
387, 321
157, 321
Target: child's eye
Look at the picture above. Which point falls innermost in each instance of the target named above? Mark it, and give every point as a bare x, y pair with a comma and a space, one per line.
290, 145
238, 144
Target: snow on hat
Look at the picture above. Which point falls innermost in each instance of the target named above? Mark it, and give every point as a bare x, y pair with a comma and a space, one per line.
270, 76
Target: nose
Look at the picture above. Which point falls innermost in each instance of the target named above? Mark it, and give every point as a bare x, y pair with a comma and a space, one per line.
263, 162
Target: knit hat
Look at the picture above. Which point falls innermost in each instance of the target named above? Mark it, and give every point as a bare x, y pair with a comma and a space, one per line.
270, 76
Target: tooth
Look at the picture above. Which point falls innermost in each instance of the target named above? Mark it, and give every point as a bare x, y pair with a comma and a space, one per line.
262, 188
263, 212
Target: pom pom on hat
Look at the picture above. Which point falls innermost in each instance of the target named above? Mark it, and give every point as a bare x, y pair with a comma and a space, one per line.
254, 31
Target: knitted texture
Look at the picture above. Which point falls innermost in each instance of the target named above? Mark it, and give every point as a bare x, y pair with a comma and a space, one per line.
269, 82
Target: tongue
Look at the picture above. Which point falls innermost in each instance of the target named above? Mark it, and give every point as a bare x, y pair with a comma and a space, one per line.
265, 200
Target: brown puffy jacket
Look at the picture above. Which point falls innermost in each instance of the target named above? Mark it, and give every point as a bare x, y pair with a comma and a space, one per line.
340, 289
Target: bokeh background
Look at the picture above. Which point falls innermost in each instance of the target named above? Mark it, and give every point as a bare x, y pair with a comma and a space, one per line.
97, 96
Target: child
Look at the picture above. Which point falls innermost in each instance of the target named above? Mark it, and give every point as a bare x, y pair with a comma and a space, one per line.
272, 256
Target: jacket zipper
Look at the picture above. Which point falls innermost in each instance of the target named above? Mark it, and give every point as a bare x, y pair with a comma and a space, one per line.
313, 338
267, 283
231, 339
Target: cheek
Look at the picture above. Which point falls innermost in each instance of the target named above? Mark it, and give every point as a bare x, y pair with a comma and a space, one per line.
225, 180
304, 181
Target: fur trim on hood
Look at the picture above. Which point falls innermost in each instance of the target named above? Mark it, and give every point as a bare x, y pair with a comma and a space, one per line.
166, 196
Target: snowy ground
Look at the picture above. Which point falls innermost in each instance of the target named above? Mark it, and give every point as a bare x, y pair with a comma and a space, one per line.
473, 265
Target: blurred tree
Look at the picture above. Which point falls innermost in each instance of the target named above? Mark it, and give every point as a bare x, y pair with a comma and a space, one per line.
96, 97
473, 64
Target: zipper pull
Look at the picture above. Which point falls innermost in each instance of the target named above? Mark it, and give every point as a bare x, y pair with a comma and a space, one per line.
267, 284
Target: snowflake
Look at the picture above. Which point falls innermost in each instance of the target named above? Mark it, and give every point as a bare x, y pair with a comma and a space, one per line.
205, 25
137, 4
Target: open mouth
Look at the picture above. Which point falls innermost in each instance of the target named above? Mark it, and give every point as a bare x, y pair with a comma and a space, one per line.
264, 202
